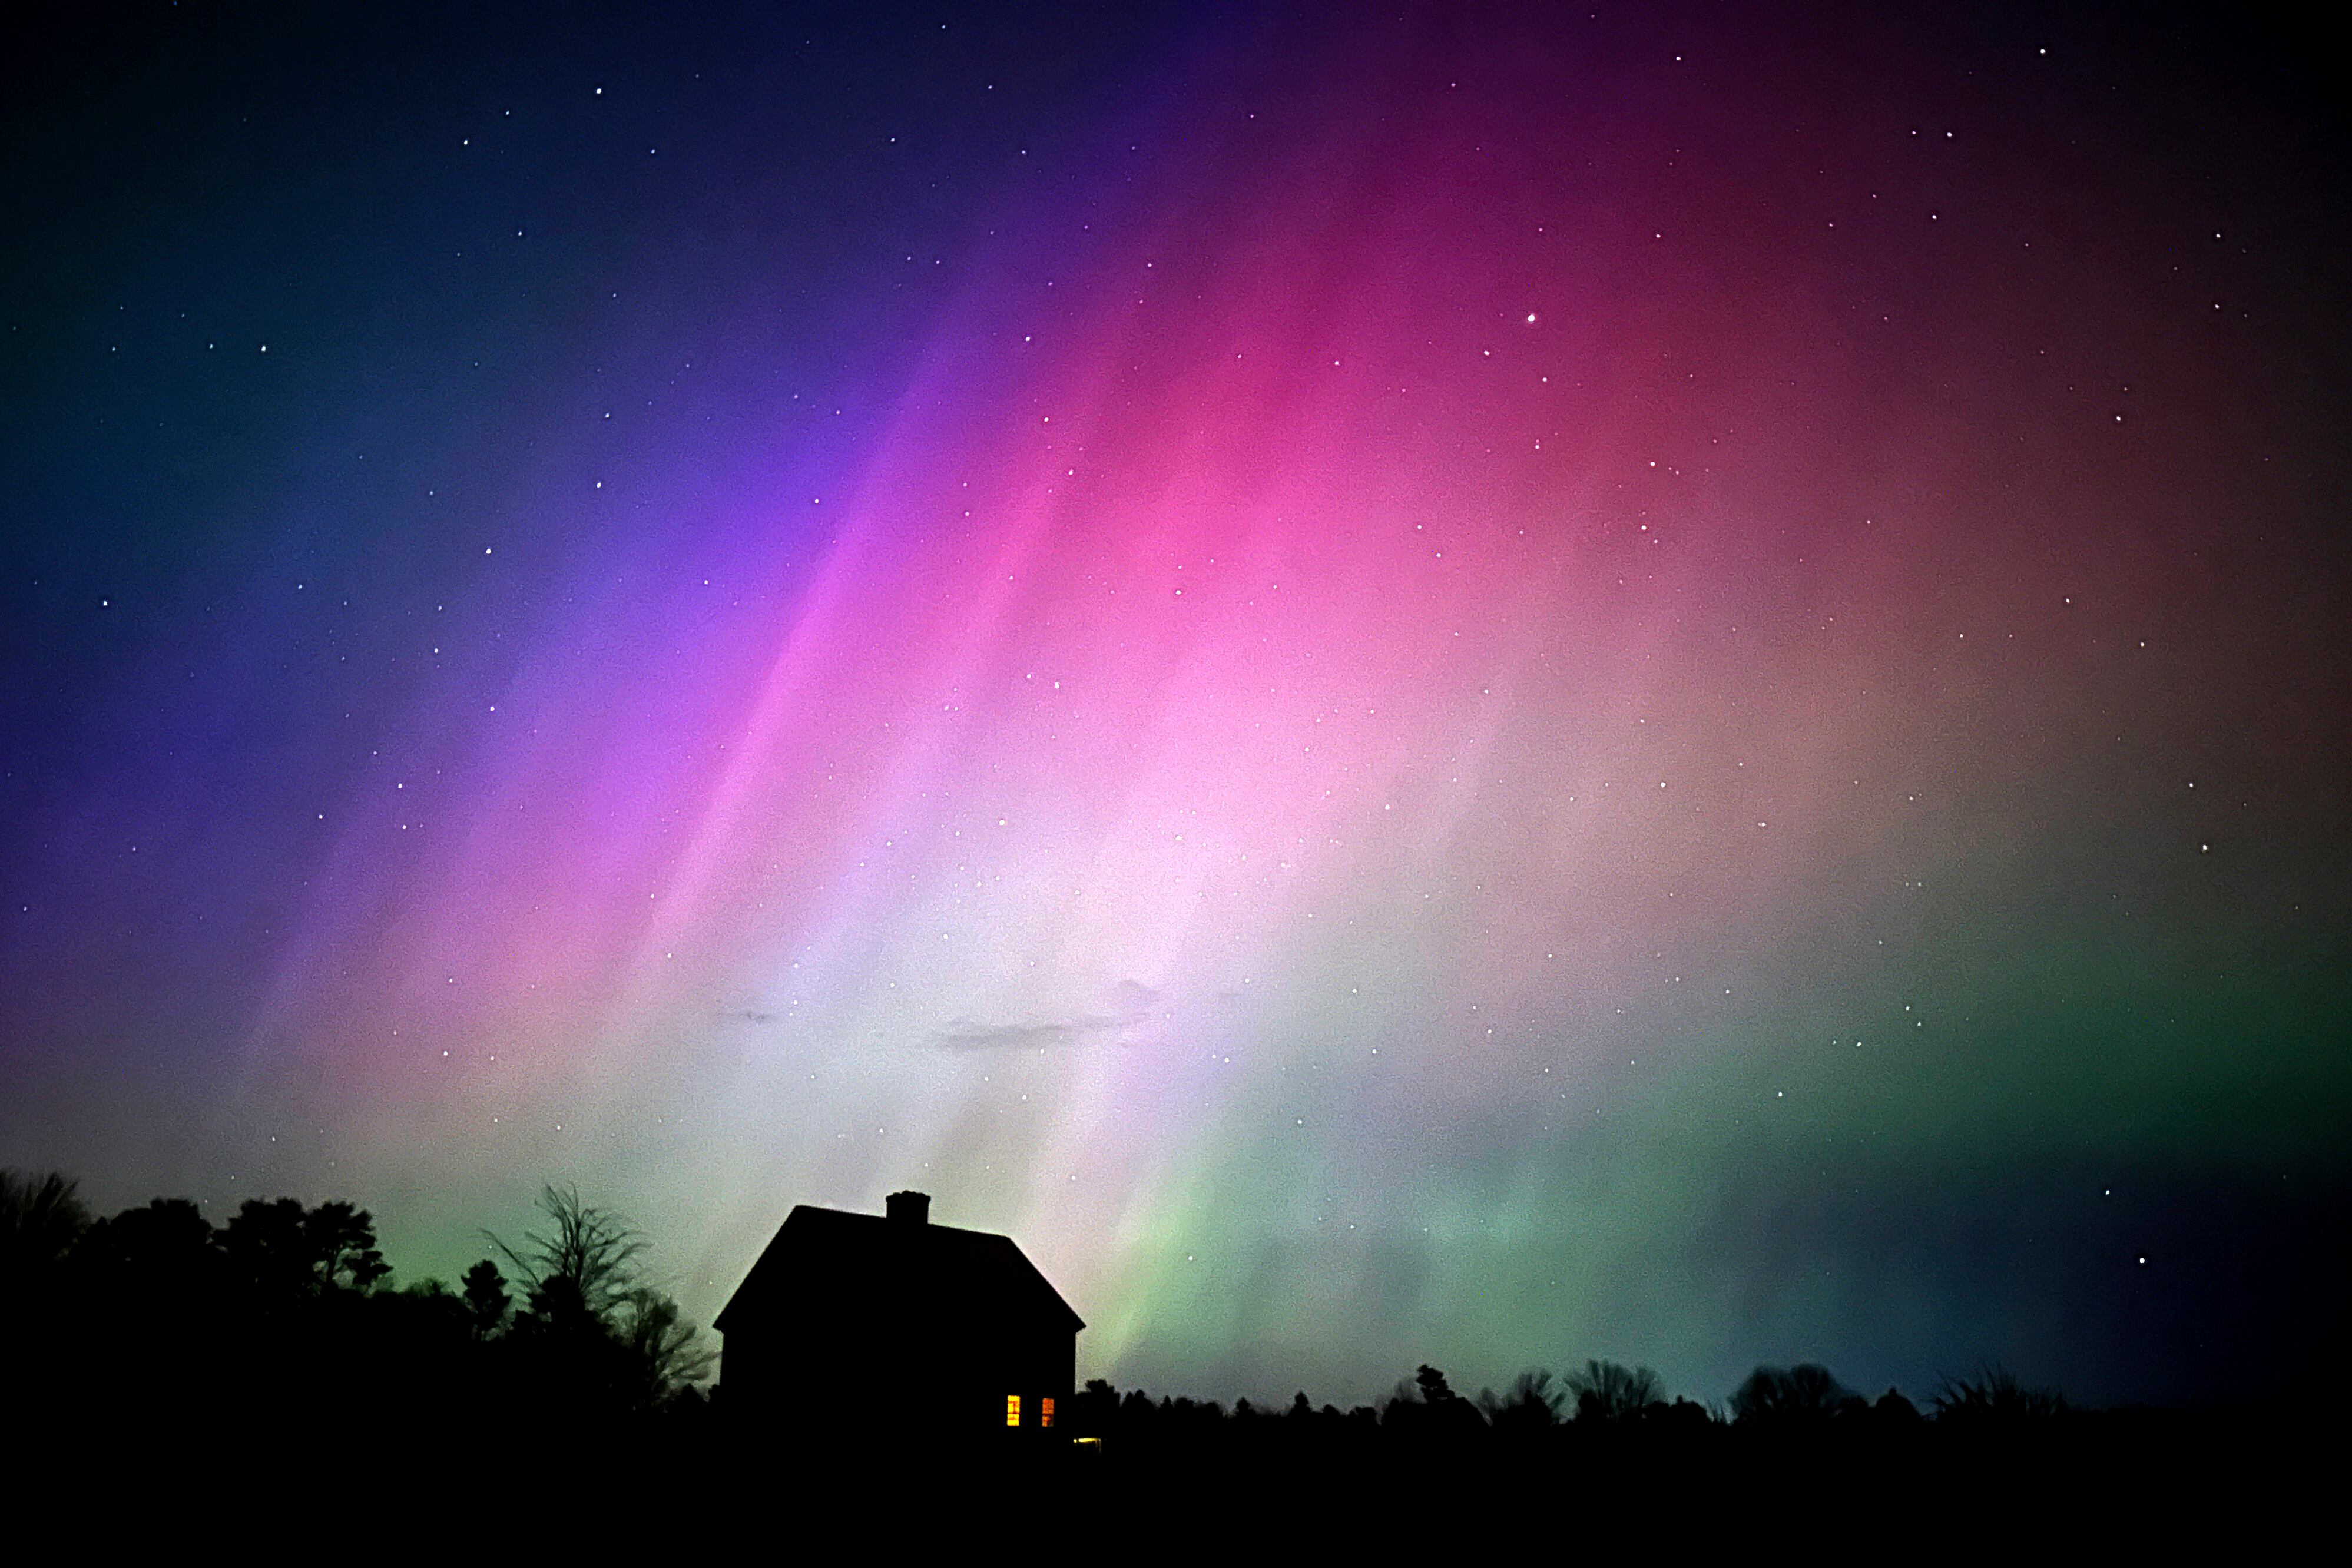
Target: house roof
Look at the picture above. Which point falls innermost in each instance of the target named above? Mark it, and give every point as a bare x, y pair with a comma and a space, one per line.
865, 1261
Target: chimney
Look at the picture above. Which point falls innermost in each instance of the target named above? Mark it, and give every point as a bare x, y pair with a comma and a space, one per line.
909, 1208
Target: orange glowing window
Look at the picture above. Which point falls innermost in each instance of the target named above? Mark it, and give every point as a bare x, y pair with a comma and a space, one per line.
1046, 1411
1013, 1409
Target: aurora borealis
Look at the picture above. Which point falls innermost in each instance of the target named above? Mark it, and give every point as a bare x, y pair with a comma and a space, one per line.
1485, 685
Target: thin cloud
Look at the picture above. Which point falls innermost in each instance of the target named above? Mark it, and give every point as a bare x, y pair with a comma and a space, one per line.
1131, 1003
967, 1035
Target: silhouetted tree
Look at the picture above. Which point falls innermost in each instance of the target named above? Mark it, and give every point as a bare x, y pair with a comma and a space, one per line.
341, 1244
584, 1260
286, 1251
1607, 1391
593, 1330
164, 1245
1428, 1406
149, 1285
1804, 1392
487, 1303
1532, 1404
263, 1243
40, 1219
669, 1348
42, 1224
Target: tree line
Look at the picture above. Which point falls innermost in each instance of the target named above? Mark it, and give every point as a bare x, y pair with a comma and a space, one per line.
289, 1312
1597, 1399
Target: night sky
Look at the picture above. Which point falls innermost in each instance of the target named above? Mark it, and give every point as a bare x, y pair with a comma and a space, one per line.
1482, 685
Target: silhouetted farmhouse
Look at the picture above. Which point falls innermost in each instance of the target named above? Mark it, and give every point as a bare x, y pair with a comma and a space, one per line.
853, 1322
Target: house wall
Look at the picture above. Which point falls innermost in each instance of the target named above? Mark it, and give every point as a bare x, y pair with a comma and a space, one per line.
807, 1376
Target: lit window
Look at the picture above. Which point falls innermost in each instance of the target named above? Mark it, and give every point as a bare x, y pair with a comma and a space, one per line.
1013, 1409
1046, 1411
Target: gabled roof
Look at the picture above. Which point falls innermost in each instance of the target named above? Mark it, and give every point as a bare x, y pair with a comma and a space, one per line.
866, 1263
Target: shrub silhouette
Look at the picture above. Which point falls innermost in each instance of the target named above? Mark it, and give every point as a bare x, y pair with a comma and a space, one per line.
1893, 1409
1994, 1395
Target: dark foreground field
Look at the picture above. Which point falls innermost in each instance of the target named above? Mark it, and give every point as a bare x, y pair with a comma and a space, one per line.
2141, 1483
